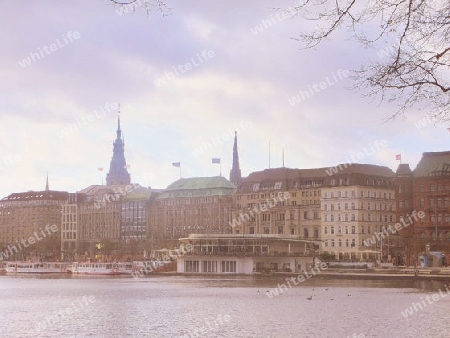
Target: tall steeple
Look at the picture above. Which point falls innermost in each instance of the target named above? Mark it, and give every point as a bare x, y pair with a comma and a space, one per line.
46, 184
118, 173
235, 172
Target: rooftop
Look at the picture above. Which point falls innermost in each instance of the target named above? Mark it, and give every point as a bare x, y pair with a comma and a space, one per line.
433, 164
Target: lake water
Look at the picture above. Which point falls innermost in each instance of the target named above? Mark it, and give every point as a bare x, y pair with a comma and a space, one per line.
177, 306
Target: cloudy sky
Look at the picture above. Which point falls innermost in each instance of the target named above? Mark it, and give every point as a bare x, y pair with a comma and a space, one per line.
185, 82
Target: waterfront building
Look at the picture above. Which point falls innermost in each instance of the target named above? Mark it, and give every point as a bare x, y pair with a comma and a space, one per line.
30, 214
427, 189
357, 203
279, 201
92, 217
243, 254
69, 226
134, 240
199, 205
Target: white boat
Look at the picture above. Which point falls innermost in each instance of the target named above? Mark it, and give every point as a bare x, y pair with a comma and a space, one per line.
100, 268
36, 267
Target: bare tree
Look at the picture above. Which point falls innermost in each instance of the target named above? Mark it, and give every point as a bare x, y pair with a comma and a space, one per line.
413, 68
149, 6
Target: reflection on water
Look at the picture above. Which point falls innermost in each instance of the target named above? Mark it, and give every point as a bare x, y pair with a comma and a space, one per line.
235, 306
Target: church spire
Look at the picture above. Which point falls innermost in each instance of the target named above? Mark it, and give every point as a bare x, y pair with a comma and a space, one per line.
119, 132
46, 184
235, 173
118, 173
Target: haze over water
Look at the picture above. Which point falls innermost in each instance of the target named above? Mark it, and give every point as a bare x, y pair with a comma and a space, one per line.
220, 306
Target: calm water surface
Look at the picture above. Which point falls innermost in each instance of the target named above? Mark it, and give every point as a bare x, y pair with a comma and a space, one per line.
217, 307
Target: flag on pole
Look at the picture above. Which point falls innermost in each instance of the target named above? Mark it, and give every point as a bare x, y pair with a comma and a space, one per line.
398, 157
100, 169
176, 164
216, 160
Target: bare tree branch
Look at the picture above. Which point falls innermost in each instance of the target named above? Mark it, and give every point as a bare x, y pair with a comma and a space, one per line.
414, 70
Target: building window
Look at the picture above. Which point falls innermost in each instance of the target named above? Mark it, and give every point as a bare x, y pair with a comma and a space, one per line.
210, 266
362, 229
252, 230
280, 217
346, 217
191, 266
332, 243
353, 205
346, 242
316, 232
353, 217
325, 207
266, 230
325, 230
340, 242
339, 230
305, 215
266, 217
332, 230
332, 218
353, 229
432, 187
228, 266
353, 242
305, 233
346, 229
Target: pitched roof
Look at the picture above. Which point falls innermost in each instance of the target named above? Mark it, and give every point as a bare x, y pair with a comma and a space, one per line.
287, 178
404, 170
38, 195
433, 164
199, 186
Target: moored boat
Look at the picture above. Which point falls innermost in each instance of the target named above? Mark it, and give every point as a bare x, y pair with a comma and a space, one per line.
90, 268
36, 267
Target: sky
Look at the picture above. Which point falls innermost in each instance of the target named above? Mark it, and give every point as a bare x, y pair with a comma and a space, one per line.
185, 82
